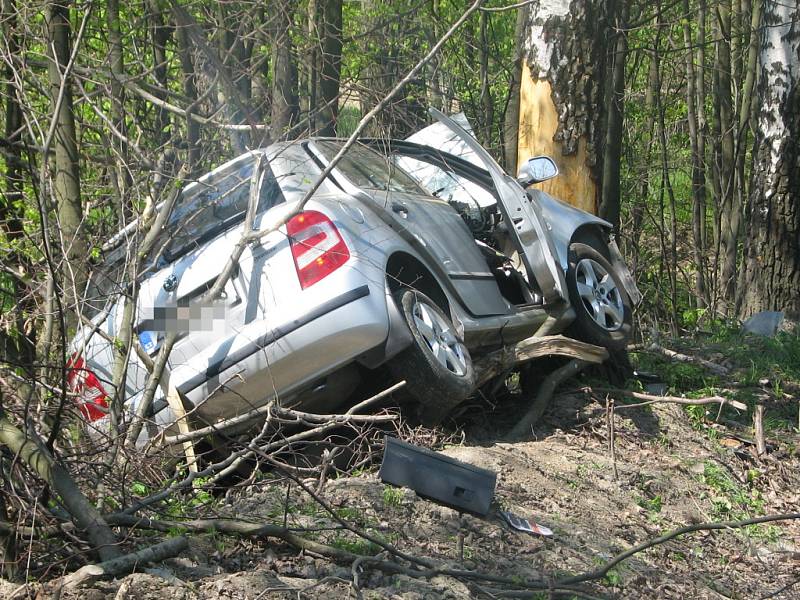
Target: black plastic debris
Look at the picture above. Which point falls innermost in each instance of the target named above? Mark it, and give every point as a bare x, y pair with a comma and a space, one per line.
439, 478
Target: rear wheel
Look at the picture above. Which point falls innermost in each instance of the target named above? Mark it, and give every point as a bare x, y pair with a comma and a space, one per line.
602, 307
437, 366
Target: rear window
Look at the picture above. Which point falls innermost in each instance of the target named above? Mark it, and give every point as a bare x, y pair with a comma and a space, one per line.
204, 210
207, 209
369, 170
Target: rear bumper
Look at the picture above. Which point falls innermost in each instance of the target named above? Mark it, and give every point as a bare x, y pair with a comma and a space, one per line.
258, 365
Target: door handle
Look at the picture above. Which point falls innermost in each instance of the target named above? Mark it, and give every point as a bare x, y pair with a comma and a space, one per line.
400, 209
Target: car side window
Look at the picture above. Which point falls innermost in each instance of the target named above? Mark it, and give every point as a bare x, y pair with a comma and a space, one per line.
369, 170
445, 184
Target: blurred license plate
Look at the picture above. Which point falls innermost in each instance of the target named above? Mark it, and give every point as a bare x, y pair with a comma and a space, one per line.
149, 341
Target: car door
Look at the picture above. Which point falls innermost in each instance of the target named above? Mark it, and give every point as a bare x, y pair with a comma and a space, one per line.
526, 226
429, 224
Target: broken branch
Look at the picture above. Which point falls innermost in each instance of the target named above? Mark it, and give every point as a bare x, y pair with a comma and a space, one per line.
649, 399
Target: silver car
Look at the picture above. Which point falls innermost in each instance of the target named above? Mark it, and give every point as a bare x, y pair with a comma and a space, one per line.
407, 256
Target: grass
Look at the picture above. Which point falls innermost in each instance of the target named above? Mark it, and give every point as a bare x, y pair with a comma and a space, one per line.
762, 370
392, 496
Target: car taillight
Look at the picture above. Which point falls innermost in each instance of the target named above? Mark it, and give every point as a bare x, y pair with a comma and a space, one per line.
91, 398
317, 247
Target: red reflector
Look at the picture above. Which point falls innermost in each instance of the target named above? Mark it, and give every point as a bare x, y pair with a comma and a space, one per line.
91, 398
317, 247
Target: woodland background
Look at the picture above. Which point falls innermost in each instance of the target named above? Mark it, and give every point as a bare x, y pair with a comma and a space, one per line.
672, 119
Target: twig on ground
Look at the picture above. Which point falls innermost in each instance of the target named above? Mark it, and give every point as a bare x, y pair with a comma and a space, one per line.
758, 430
713, 367
650, 399
610, 425
603, 570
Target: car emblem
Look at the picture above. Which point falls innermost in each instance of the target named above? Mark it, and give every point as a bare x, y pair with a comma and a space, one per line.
170, 283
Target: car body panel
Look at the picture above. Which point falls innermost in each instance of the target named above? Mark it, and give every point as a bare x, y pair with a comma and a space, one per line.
267, 337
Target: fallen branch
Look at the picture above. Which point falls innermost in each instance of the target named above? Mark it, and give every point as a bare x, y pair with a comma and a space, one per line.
499, 361
545, 394
713, 367
347, 417
650, 399
124, 564
603, 570
85, 515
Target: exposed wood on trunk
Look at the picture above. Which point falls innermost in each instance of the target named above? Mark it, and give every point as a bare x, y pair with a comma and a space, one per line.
561, 96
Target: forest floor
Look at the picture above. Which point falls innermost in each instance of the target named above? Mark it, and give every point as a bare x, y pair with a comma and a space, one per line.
674, 467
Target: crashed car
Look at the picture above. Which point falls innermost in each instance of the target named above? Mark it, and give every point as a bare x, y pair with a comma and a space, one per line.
407, 256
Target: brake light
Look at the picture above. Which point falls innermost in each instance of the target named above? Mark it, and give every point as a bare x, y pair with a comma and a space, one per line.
317, 247
91, 398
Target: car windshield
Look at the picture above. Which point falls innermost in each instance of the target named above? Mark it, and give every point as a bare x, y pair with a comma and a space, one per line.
204, 210
369, 170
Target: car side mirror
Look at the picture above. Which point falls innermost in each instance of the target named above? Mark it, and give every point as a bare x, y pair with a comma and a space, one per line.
536, 170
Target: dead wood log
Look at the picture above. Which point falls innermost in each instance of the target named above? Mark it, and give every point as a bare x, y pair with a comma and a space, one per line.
86, 517
713, 367
545, 394
500, 361
124, 564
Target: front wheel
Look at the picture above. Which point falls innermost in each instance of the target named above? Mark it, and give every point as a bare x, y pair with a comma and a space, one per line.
437, 366
602, 307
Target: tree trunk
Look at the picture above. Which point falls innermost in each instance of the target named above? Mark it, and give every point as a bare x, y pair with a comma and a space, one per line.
773, 259
614, 104
561, 95
698, 165
85, 515
730, 211
331, 32
159, 37
66, 183
122, 177
285, 106
190, 91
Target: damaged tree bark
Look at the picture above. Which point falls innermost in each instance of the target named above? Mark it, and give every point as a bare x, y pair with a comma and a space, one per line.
561, 95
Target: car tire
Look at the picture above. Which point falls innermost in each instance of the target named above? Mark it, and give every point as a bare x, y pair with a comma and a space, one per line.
602, 306
436, 366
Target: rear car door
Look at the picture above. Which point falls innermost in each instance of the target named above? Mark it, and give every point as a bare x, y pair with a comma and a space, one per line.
429, 224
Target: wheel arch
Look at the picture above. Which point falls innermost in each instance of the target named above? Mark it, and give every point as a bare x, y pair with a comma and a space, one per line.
405, 270
594, 235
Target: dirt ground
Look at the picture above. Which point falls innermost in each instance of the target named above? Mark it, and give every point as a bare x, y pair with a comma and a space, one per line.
671, 472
